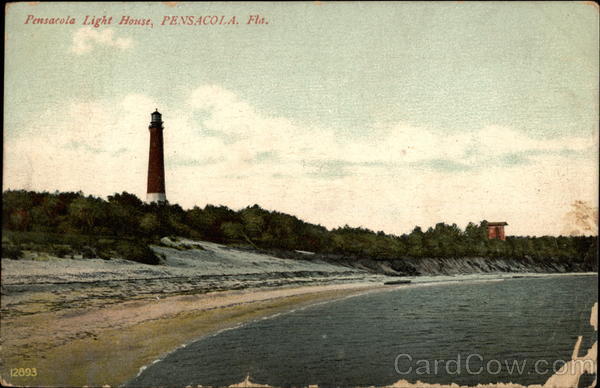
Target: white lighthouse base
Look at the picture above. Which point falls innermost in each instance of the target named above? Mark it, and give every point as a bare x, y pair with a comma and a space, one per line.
156, 197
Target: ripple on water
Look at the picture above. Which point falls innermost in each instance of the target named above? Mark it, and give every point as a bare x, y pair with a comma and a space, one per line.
356, 341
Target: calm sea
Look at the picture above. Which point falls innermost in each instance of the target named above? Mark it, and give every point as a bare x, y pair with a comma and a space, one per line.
514, 330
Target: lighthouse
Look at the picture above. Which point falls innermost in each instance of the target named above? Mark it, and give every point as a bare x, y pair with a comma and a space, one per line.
156, 163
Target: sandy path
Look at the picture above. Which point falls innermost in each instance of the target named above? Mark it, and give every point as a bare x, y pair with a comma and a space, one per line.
108, 345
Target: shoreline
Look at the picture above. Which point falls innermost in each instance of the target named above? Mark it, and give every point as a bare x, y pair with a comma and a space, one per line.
111, 345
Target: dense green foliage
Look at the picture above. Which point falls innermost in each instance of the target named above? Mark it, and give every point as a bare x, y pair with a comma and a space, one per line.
72, 245
124, 219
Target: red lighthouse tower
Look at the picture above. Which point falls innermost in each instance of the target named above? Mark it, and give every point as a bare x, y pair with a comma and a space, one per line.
156, 163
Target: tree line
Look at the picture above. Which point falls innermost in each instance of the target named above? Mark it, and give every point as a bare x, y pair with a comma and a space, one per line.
124, 216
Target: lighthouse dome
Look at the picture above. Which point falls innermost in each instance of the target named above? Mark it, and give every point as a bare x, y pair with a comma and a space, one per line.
156, 116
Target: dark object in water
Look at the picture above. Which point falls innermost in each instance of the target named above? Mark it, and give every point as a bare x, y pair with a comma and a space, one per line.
397, 282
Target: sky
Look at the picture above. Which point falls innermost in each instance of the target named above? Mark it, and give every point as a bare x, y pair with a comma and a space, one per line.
380, 115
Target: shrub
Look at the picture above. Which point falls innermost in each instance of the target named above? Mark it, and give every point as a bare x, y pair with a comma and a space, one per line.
61, 250
88, 253
138, 252
105, 253
11, 252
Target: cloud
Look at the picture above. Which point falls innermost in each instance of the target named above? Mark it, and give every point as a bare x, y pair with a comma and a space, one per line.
222, 150
86, 39
94, 146
325, 152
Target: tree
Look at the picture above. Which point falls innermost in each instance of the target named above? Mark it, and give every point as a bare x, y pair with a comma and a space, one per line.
415, 242
254, 221
86, 213
126, 216
149, 224
127, 200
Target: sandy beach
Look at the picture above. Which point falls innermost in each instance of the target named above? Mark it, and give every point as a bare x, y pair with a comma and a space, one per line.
97, 322
108, 345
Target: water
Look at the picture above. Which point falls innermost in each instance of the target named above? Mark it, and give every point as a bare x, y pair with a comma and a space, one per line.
369, 339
